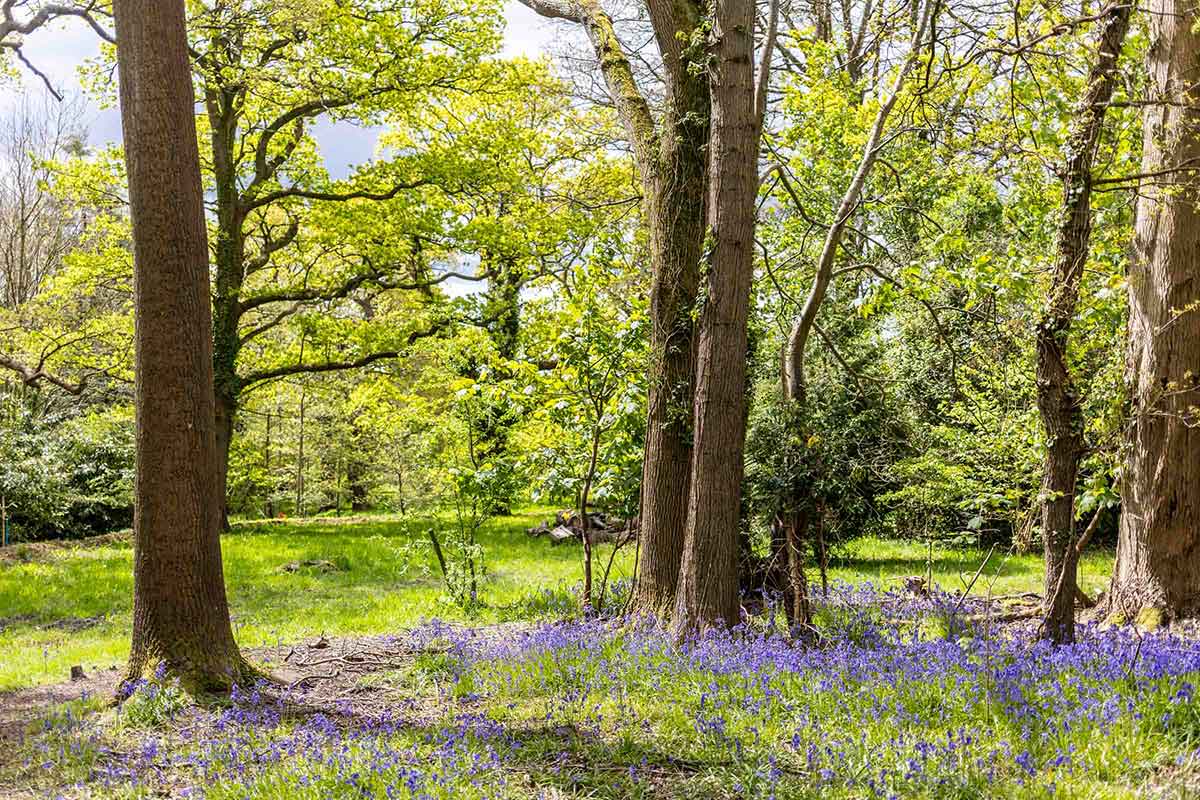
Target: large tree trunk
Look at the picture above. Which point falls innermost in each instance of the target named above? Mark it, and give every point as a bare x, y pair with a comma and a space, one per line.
1158, 551
708, 586
675, 181
180, 612
1057, 398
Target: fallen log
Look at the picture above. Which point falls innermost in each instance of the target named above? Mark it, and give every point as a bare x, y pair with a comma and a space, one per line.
602, 528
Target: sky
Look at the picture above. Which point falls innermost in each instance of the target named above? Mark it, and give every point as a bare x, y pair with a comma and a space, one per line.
60, 49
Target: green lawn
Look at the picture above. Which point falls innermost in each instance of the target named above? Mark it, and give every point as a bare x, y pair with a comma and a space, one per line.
883, 560
72, 605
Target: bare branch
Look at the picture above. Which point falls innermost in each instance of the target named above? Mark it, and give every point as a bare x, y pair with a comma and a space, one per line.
615, 66
334, 197
764, 67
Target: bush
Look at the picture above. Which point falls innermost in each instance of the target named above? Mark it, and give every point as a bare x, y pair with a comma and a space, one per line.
64, 476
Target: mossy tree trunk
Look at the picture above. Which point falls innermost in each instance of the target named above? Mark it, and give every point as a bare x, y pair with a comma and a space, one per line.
671, 158
707, 595
1057, 397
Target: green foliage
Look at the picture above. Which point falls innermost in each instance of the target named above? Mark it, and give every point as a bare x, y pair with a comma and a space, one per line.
64, 473
152, 703
834, 447
937, 290
588, 429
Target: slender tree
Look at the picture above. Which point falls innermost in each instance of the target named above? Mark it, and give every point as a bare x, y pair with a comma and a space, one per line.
671, 155
1158, 550
792, 518
180, 612
708, 585
1058, 400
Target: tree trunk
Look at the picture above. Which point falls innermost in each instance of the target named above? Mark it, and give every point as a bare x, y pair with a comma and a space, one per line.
792, 379
358, 467
502, 305
675, 206
229, 269
270, 487
1158, 550
708, 586
1057, 398
795, 529
672, 164
226, 409
676, 187
776, 578
585, 520
356, 485
180, 612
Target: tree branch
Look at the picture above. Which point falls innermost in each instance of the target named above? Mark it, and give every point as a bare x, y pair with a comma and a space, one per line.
615, 67
764, 67
336, 366
334, 197
373, 278
32, 377
10, 26
793, 362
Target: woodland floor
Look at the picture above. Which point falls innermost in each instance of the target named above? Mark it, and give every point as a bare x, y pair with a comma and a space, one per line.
904, 695
65, 604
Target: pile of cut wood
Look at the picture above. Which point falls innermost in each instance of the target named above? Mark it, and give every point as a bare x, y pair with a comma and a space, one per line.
568, 526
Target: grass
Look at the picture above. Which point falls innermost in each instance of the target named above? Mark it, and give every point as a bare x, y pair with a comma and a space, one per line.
882, 560
72, 605
904, 696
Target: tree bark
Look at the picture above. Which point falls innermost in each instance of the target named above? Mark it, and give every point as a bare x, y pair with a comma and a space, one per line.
708, 586
180, 612
675, 209
1057, 398
796, 529
671, 158
226, 411
671, 162
1158, 550
229, 255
